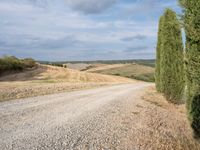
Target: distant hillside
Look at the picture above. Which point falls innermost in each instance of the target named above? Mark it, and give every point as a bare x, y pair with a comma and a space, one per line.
46, 73
146, 62
133, 71
46, 79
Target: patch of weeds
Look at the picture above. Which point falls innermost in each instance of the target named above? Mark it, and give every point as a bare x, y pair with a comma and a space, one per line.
117, 74
139, 106
155, 103
135, 113
44, 81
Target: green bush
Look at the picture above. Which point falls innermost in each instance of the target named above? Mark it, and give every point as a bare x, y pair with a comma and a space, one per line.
11, 63
28, 62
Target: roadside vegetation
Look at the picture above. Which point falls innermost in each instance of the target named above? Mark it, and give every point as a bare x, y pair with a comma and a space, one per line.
13, 64
178, 70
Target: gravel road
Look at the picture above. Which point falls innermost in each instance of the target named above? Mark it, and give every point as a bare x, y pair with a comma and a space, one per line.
102, 118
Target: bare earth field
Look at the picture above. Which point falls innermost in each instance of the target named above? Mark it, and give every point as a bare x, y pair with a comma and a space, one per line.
48, 80
120, 117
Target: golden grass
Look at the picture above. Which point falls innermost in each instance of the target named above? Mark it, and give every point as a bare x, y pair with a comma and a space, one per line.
50, 79
53, 73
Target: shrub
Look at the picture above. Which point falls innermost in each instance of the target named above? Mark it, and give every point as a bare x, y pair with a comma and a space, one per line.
11, 63
149, 77
56, 64
29, 63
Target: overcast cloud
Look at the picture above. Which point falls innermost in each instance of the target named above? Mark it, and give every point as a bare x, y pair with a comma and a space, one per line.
91, 6
80, 29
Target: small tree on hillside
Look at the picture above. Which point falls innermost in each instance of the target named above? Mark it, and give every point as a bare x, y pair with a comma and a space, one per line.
158, 56
192, 28
172, 66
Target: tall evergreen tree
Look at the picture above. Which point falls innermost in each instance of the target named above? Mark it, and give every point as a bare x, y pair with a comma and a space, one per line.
192, 28
172, 66
158, 56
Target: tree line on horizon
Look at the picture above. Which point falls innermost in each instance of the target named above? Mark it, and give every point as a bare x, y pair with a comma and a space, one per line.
177, 73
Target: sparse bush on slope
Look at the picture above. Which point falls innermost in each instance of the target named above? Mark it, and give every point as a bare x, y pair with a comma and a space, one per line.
158, 55
171, 59
28, 62
11, 63
191, 20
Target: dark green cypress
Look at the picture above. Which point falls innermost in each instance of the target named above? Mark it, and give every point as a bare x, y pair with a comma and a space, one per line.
158, 55
191, 20
172, 56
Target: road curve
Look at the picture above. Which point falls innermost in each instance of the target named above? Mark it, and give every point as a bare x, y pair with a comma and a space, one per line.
88, 119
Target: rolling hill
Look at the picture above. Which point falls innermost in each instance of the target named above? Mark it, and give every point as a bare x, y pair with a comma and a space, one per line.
47, 79
133, 71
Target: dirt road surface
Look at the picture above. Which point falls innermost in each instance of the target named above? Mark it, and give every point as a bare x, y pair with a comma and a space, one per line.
96, 119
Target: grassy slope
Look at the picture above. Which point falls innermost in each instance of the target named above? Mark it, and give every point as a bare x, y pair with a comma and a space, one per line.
49, 79
134, 71
57, 74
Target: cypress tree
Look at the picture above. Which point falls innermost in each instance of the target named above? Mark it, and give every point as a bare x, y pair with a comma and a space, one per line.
172, 66
158, 55
191, 19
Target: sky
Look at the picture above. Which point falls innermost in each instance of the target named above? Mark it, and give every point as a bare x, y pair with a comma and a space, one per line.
68, 30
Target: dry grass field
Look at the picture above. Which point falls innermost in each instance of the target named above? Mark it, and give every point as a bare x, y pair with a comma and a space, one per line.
49, 79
